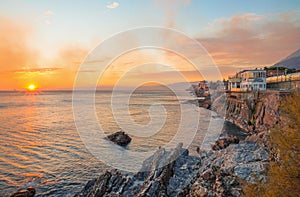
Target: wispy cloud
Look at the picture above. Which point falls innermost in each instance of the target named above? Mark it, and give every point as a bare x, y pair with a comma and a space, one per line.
113, 5
170, 9
48, 12
36, 70
14, 49
250, 40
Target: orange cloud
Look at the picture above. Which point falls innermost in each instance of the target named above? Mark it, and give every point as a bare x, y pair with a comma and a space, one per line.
15, 53
20, 64
67, 62
249, 40
144, 65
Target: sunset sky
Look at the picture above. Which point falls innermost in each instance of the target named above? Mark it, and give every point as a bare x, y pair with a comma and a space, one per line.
44, 42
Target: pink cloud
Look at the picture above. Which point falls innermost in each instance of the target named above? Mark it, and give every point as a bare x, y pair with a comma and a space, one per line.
113, 5
249, 40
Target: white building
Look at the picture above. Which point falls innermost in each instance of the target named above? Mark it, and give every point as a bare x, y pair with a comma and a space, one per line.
253, 80
234, 83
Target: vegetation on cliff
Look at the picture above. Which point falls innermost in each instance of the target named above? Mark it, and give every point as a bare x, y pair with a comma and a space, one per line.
284, 171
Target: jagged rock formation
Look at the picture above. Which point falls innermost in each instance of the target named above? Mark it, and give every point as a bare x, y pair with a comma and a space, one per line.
175, 173
161, 175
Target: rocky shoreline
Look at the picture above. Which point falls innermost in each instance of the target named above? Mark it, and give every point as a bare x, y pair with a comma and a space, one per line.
213, 173
218, 172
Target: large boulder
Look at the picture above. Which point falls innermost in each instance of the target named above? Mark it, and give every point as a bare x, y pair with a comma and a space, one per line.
120, 138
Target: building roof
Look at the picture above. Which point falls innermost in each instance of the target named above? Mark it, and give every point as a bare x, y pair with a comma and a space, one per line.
254, 70
235, 79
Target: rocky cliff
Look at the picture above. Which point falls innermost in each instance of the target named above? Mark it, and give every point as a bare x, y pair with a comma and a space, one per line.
253, 112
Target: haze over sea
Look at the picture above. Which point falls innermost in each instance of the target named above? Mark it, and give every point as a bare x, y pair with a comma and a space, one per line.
40, 146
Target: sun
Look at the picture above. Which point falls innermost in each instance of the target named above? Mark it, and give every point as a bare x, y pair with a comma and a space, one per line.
31, 87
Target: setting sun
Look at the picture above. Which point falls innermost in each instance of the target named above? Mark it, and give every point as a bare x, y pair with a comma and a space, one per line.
31, 87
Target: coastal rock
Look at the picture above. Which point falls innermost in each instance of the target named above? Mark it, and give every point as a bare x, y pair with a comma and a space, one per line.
163, 174
263, 139
29, 192
216, 182
225, 142
176, 173
247, 160
120, 138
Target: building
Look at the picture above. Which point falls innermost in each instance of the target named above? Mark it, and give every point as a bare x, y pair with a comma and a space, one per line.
202, 89
225, 84
272, 73
234, 83
253, 80
247, 80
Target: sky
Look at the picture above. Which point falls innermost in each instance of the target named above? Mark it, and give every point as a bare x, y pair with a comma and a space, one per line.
45, 42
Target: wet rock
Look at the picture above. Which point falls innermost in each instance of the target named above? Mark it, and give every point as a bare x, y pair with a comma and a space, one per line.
29, 192
225, 142
120, 138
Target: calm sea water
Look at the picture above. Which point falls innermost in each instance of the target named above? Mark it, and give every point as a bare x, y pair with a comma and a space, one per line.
40, 145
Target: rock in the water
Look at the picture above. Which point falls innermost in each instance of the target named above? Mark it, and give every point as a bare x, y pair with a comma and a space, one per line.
120, 138
29, 192
225, 142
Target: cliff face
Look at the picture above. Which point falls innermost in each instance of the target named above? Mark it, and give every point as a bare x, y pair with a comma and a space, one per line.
266, 112
253, 112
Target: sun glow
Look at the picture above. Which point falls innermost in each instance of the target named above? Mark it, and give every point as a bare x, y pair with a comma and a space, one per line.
31, 87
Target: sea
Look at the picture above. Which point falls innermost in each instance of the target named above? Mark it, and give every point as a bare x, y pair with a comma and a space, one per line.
41, 146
